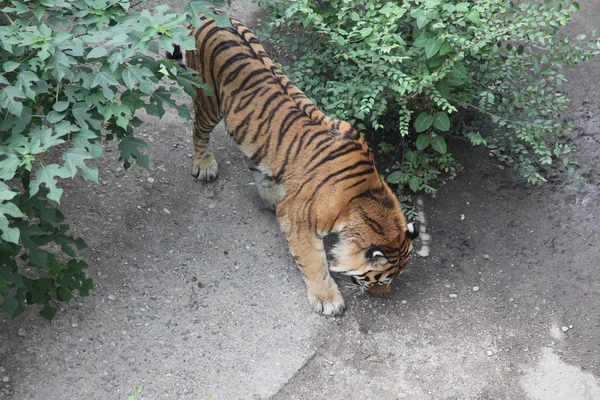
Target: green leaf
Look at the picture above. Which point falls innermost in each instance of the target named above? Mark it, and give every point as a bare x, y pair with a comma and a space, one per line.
97, 52
104, 78
364, 32
135, 74
423, 141
441, 121
432, 46
8, 100
163, 95
5, 192
446, 48
76, 158
443, 88
9, 305
83, 117
439, 144
60, 106
11, 209
423, 121
8, 233
422, 39
414, 183
8, 166
67, 250
458, 71
54, 117
64, 294
46, 175
463, 6
194, 8
422, 20
48, 312
62, 65
395, 177
10, 66
129, 147
189, 79
473, 16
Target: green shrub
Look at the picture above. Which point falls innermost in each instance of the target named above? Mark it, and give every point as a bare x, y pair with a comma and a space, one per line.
72, 75
428, 70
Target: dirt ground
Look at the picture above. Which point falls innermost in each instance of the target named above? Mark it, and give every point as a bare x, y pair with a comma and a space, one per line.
197, 297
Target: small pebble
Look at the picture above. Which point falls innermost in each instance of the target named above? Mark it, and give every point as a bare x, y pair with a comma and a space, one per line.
5, 379
166, 211
475, 288
404, 302
570, 326
112, 297
453, 295
74, 325
21, 332
565, 328
150, 180
486, 256
489, 353
104, 183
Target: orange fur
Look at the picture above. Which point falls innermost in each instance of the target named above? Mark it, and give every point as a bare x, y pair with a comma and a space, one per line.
315, 171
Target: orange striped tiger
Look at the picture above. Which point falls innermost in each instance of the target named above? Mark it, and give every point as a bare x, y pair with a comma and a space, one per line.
316, 172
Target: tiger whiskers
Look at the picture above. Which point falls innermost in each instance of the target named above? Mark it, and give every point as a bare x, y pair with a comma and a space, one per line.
352, 289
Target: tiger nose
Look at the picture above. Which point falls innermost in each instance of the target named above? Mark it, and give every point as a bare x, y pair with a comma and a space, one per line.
379, 289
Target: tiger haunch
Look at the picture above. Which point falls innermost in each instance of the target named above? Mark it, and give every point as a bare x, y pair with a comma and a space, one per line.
315, 171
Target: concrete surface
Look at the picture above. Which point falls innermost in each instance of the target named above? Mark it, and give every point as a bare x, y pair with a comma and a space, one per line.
197, 296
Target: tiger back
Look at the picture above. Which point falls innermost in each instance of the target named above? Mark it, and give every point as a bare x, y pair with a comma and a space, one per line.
316, 172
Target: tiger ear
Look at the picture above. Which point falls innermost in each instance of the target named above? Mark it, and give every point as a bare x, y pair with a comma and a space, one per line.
412, 230
376, 256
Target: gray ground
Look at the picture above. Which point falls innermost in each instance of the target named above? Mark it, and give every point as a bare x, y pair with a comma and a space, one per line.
197, 297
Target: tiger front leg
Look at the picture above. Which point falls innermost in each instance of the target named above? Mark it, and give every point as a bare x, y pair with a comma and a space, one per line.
308, 251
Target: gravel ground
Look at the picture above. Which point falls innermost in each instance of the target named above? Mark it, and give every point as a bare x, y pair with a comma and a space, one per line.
197, 296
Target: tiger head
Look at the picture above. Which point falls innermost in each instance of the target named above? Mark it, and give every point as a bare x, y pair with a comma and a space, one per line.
374, 241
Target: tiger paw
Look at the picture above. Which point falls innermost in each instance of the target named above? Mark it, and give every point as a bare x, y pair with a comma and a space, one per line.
205, 168
327, 301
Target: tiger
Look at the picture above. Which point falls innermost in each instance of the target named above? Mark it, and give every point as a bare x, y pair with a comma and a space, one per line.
316, 172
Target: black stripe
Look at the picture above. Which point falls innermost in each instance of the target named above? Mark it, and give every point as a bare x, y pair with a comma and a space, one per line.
288, 152
341, 151
300, 147
203, 27
230, 61
249, 77
337, 173
371, 223
356, 184
245, 124
267, 102
284, 129
357, 174
268, 121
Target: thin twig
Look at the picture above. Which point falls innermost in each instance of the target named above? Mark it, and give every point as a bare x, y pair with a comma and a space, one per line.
5, 15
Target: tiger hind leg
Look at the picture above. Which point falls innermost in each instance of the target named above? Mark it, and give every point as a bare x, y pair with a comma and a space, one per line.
269, 191
205, 166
